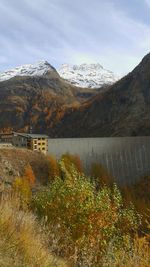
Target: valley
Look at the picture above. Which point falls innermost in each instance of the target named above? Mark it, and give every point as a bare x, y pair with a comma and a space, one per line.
55, 107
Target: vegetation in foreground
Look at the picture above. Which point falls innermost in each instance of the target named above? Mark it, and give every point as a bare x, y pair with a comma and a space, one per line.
85, 223
22, 240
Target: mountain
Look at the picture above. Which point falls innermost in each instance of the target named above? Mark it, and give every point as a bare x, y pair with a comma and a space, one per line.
38, 69
123, 110
14, 161
36, 95
53, 106
87, 75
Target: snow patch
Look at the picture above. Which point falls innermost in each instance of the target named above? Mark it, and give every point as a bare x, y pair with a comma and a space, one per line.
87, 75
38, 69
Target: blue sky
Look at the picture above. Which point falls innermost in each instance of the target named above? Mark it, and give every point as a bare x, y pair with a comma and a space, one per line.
115, 33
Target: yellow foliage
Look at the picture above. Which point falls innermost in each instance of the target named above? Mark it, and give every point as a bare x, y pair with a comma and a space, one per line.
22, 187
70, 161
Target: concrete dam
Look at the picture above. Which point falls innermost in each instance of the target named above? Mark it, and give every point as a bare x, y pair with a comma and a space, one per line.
127, 159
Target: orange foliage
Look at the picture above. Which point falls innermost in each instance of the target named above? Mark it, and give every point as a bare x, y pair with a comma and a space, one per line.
29, 175
100, 175
139, 195
72, 160
53, 168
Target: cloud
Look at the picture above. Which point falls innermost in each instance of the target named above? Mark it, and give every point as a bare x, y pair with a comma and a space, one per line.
71, 31
147, 2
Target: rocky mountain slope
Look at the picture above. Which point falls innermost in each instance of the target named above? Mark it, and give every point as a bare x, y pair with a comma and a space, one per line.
36, 95
123, 110
87, 75
13, 162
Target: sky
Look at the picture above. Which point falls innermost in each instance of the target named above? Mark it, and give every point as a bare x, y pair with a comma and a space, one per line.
114, 33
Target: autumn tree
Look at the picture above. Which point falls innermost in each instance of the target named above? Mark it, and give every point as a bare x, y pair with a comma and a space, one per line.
53, 168
29, 175
22, 185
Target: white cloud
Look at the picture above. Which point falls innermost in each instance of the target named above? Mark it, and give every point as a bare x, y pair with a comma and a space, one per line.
147, 2
74, 32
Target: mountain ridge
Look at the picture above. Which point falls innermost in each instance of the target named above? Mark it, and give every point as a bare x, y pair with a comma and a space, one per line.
87, 75
123, 110
36, 97
59, 109
37, 69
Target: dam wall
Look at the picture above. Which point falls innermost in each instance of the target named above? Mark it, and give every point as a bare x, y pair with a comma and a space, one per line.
127, 159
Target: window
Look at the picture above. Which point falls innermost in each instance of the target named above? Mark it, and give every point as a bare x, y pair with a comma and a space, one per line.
35, 141
35, 146
43, 144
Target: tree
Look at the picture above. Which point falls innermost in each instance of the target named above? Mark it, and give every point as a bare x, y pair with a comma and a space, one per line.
29, 175
53, 168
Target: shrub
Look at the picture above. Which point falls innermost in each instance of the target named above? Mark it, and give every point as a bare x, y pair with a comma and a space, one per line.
29, 175
91, 219
22, 188
139, 194
53, 168
100, 175
74, 160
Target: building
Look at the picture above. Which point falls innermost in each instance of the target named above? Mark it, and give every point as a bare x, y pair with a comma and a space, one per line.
6, 138
35, 142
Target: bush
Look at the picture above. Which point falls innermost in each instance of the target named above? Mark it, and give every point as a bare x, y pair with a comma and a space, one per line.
100, 175
72, 160
53, 168
22, 188
91, 219
23, 185
29, 175
139, 194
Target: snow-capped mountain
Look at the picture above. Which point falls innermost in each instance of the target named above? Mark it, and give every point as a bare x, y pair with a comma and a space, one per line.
84, 75
87, 75
38, 69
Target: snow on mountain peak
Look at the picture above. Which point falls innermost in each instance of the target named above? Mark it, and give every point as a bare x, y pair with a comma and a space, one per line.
87, 75
37, 69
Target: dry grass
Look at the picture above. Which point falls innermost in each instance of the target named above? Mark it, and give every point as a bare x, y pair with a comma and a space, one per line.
22, 242
137, 255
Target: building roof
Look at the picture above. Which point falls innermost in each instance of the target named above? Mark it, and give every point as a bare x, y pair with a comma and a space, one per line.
32, 135
6, 134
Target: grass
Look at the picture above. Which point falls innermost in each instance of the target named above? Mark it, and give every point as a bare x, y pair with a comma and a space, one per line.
22, 241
